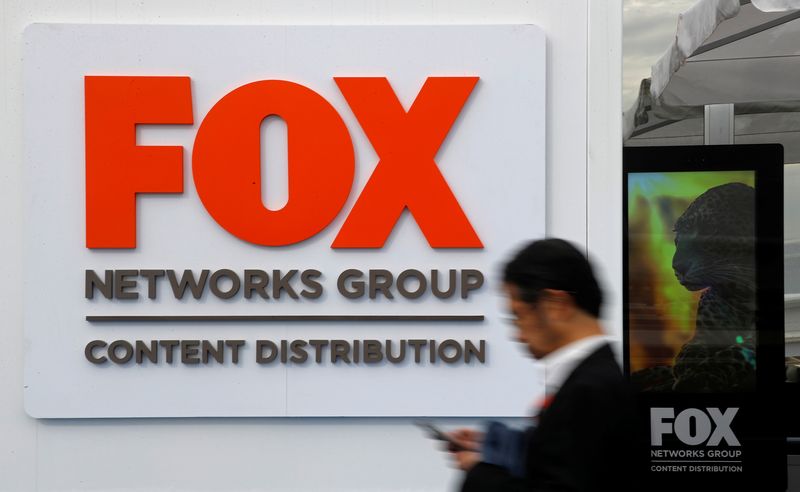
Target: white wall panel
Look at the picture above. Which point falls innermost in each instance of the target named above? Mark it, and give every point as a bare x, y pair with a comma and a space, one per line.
604, 155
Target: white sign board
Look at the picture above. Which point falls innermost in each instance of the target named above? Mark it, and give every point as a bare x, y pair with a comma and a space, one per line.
398, 169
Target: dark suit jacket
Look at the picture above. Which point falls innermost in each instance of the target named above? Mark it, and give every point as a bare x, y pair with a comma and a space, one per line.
584, 439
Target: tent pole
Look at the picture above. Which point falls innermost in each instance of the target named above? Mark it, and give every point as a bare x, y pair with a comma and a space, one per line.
718, 124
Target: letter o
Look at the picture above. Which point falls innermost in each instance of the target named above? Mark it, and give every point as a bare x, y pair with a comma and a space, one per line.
112, 351
450, 344
401, 283
683, 426
236, 283
226, 162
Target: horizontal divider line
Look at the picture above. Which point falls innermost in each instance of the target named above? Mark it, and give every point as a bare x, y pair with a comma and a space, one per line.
287, 317
696, 461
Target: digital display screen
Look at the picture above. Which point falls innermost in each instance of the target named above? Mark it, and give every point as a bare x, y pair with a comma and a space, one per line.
692, 289
703, 313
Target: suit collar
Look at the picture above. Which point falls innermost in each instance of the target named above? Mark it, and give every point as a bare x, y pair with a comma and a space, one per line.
560, 364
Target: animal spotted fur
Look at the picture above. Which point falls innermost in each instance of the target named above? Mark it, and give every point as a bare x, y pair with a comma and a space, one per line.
715, 252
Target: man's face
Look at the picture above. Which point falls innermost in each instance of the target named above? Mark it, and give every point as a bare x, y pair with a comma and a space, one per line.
534, 325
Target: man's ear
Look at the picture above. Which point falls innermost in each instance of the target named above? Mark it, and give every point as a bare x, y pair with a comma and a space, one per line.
561, 303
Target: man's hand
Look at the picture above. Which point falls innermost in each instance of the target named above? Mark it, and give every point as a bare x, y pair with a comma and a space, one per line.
471, 440
465, 460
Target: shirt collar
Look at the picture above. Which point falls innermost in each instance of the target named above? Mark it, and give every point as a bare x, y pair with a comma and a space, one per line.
560, 363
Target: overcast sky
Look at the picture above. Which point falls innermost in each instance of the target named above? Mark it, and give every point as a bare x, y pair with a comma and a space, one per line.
648, 28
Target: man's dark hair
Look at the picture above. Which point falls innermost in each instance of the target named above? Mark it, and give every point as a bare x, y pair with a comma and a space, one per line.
558, 265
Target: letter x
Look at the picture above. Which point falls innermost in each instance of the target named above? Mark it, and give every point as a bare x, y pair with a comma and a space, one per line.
723, 431
406, 175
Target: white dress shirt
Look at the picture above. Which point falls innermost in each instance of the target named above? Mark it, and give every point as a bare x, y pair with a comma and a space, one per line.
560, 363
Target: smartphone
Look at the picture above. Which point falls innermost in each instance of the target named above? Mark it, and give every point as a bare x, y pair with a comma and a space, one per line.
436, 433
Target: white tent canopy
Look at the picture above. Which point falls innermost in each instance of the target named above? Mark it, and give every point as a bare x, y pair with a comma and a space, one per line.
725, 52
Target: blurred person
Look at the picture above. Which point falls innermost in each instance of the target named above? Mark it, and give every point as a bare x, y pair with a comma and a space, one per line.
584, 436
